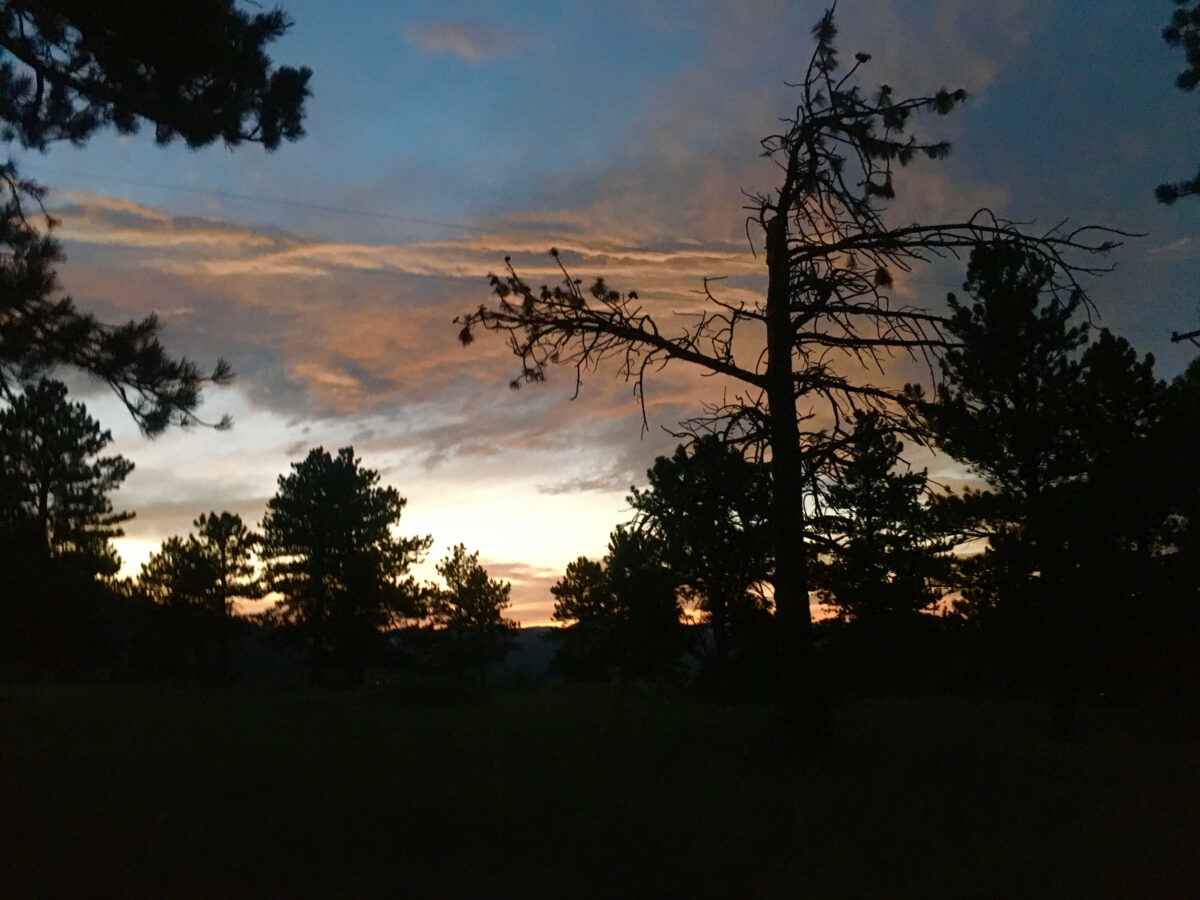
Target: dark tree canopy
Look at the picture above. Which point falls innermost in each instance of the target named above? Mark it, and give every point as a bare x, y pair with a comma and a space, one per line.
471, 609
1052, 421
884, 559
55, 480
1184, 33
179, 574
329, 548
209, 569
589, 644
1076, 510
1173, 450
622, 616
646, 594
708, 508
197, 69
582, 594
1007, 409
1011, 372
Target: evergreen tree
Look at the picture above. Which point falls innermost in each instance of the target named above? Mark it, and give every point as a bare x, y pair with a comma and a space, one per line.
1062, 430
209, 569
231, 544
57, 482
195, 69
56, 527
645, 594
622, 615
180, 574
471, 610
1170, 607
587, 608
329, 549
708, 508
885, 560
582, 594
1007, 408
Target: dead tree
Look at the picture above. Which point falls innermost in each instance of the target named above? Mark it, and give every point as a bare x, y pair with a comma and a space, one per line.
830, 314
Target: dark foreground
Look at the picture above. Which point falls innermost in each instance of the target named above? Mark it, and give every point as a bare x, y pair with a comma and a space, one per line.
151, 791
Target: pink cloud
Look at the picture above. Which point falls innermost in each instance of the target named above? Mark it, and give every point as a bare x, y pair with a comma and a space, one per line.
469, 41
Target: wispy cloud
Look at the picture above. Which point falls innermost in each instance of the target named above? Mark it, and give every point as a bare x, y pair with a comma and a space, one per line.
469, 41
1179, 249
112, 221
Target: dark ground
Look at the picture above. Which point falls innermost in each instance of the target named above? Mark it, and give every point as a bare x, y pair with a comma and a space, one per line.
566, 792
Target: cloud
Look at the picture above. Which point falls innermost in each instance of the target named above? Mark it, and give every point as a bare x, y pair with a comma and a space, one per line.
1183, 248
361, 335
343, 341
111, 221
469, 41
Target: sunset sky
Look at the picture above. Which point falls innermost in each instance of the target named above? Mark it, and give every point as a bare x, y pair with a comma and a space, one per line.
442, 137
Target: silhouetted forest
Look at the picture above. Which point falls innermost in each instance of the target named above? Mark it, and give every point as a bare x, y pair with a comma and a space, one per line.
1071, 570
787, 562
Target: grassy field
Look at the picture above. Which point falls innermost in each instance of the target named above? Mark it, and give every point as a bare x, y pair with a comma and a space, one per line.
155, 791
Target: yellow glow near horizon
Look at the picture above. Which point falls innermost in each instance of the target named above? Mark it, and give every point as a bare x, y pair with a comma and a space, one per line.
522, 536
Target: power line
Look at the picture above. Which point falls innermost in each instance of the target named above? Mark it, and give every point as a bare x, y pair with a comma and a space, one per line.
275, 201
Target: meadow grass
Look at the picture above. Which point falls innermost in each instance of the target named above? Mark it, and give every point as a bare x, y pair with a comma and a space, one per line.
566, 792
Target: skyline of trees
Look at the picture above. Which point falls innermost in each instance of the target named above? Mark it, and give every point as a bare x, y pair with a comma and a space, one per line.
1088, 507
884, 559
1123, 531
826, 324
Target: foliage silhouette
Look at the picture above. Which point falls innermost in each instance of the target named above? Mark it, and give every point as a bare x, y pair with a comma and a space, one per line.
56, 526
180, 574
884, 562
1062, 429
582, 594
329, 550
1006, 409
829, 315
197, 70
1171, 617
623, 615
206, 572
589, 645
708, 508
41, 329
470, 608
209, 569
1184, 32
56, 480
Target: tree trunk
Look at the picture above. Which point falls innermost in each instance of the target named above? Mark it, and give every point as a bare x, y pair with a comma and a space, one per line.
719, 621
224, 620
797, 664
